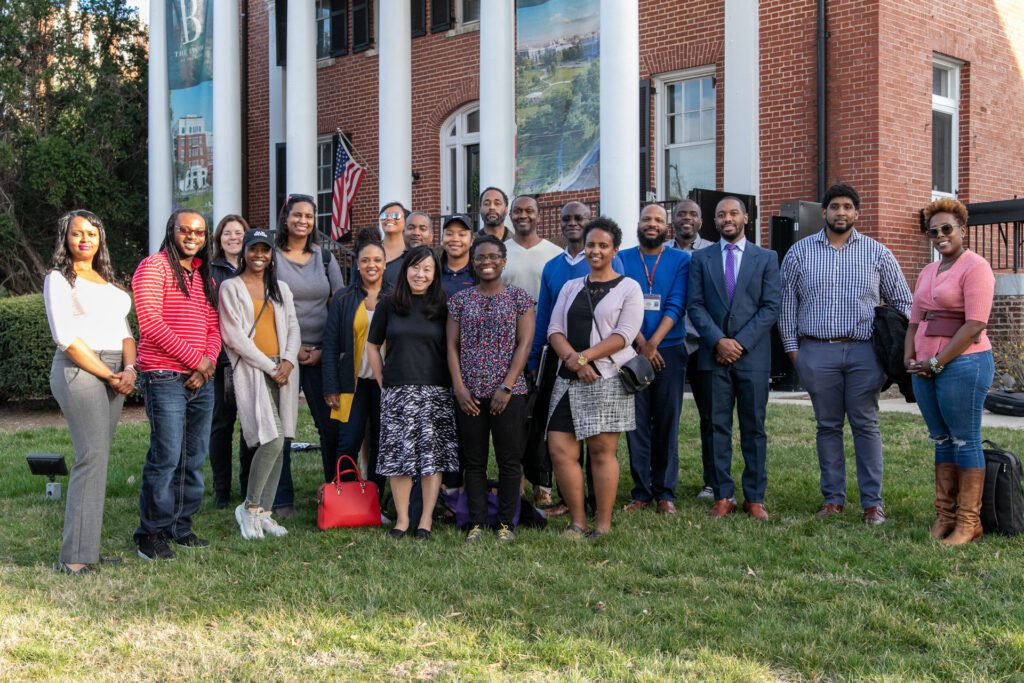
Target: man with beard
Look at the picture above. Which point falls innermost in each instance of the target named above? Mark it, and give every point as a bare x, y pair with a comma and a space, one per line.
175, 299
418, 230
831, 283
528, 252
662, 273
733, 299
493, 210
686, 224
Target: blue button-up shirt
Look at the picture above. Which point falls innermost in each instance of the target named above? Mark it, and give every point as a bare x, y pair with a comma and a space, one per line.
830, 293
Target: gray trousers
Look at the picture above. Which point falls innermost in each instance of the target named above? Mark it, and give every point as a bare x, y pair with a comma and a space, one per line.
265, 471
844, 380
92, 410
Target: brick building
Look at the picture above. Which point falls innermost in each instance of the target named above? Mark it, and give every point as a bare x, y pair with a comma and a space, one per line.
921, 98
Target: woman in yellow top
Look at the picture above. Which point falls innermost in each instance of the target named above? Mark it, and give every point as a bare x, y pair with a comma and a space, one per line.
261, 333
349, 387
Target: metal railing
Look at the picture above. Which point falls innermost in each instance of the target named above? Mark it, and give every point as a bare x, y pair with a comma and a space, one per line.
995, 230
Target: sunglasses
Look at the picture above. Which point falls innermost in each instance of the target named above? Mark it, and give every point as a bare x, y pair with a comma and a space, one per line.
293, 198
946, 229
195, 232
390, 215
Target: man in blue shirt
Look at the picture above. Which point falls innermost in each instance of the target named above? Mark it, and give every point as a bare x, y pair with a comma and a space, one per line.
662, 273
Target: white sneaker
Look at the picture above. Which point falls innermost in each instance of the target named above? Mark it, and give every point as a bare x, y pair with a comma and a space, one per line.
249, 522
270, 525
706, 493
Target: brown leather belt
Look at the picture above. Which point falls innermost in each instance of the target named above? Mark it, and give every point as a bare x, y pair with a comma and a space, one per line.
833, 340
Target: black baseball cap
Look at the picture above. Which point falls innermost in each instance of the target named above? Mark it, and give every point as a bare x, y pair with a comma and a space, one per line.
257, 236
458, 218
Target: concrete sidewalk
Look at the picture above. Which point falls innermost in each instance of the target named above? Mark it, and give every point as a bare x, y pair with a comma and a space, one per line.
897, 405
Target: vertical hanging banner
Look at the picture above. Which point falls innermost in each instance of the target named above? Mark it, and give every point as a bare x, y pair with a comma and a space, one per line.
558, 103
190, 80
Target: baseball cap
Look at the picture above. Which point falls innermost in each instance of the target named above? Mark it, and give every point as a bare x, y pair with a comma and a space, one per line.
257, 236
458, 218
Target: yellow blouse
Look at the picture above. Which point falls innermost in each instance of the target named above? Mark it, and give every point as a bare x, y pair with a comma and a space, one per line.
265, 334
360, 328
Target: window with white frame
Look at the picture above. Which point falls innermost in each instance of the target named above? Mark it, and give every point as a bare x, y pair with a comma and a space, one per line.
460, 161
945, 126
685, 131
324, 182
469, 10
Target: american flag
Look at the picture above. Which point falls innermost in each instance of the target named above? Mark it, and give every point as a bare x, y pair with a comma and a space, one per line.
347, 176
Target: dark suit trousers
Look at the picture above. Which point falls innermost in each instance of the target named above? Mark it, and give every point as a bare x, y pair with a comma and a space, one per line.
747, 391
654, 444
707, 449
222, 431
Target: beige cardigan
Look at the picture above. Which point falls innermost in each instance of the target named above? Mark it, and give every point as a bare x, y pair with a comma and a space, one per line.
255, 408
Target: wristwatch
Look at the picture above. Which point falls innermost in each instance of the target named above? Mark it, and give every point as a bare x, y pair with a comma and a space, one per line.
582, 360
933, 363
506, 388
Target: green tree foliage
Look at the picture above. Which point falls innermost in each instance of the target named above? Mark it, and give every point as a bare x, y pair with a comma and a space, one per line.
72, 129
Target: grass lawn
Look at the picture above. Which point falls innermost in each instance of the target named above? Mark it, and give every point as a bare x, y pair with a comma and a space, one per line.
660, 599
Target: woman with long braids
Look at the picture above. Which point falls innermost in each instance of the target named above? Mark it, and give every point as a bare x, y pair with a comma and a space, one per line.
261, 333
93, 370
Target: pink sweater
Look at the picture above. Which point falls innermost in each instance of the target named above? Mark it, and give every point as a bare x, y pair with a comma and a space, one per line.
967, 287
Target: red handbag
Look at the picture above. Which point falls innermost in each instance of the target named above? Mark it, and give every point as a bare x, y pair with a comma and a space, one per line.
347, 503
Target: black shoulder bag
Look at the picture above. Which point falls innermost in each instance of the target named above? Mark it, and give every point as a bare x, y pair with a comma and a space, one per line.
637, 373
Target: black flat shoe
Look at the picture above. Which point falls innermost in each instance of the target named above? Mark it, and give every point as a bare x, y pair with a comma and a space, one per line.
422, 535
64, 569
110, 559
396, 533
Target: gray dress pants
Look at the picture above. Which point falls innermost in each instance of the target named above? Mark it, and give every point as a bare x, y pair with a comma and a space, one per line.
92, 410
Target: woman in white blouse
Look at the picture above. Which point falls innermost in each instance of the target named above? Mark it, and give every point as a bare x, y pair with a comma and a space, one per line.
92, 372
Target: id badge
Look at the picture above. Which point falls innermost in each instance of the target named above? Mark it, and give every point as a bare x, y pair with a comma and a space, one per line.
652, 302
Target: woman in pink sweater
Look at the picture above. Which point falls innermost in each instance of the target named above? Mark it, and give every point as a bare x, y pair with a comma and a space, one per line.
950, 356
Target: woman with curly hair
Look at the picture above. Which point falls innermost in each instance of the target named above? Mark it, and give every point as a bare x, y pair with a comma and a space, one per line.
950, 357
93, 370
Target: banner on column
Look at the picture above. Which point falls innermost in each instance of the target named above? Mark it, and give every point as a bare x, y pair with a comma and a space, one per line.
557, 95
190, 79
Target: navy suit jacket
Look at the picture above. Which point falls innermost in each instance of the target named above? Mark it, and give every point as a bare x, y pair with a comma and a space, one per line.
750, 316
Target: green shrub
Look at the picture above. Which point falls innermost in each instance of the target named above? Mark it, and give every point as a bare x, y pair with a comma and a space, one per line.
26, 348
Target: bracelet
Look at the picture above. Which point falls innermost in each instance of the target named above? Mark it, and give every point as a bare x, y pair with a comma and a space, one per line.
506, 388
131, 366
933, 363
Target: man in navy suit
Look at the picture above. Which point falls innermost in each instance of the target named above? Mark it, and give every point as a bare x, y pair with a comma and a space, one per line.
733, 300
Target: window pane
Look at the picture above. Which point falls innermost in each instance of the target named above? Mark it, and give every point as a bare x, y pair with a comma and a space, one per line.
689, 167
473, 122
472, 178
691, 95
707, 93
323, 29
674, 98
707, 125
675, 134
453, 179
942, 152
470, 10
691, 126
940, 82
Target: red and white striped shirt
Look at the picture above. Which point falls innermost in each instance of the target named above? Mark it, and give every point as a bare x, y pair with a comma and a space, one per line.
175, 332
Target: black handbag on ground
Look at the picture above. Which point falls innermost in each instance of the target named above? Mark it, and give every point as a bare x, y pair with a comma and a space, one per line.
1005, 403
637, 373
1002, 503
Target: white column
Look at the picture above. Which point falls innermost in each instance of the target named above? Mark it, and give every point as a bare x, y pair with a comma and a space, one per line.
159, 114
275, 112
741, 158
301, 128
620, 115
227, 111
394, 85
497, 94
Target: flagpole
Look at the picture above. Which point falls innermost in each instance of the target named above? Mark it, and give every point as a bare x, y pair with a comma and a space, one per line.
352, 153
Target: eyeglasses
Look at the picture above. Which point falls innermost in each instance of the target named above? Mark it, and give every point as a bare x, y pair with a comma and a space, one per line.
390, 215
194, 232
484, 258
946, 228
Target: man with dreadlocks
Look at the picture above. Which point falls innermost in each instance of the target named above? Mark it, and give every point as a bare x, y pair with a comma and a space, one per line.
179, 342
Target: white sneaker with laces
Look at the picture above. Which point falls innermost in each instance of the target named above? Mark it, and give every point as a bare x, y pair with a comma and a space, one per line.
249, 522
270, 525
706, 493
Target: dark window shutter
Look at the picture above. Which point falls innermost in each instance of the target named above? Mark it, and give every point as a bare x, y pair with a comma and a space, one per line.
645, 139
440, 15
362, 35
281, 28
419, 17
339, 27
280, 190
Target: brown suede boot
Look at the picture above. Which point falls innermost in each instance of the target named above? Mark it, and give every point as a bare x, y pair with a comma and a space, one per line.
946, 486
968, 514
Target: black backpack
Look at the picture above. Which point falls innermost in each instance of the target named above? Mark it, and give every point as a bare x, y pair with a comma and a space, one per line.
1002, 504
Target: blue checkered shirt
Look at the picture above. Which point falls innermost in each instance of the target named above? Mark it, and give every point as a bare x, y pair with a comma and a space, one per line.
830, 293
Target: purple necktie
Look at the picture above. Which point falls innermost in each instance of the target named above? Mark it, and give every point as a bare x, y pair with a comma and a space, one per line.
730, 270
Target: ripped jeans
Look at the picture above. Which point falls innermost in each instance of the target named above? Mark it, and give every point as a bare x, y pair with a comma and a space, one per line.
952, 404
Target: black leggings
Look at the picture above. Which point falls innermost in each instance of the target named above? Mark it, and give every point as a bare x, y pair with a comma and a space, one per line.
508, 430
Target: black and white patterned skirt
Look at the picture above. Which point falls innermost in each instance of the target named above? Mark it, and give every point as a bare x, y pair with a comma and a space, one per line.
600, 407
417, 431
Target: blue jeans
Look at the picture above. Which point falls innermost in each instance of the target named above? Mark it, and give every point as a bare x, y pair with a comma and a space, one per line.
654, 444
952, 404
179, 440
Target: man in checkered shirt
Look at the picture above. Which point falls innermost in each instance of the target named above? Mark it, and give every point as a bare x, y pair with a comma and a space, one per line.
831, 283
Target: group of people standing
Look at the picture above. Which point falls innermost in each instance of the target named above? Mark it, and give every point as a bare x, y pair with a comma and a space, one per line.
427, 355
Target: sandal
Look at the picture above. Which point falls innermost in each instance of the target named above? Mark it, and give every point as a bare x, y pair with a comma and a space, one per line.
65, 569
574, 531
594, 535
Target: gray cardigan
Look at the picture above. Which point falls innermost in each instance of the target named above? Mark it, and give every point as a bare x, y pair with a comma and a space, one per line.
251, 366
